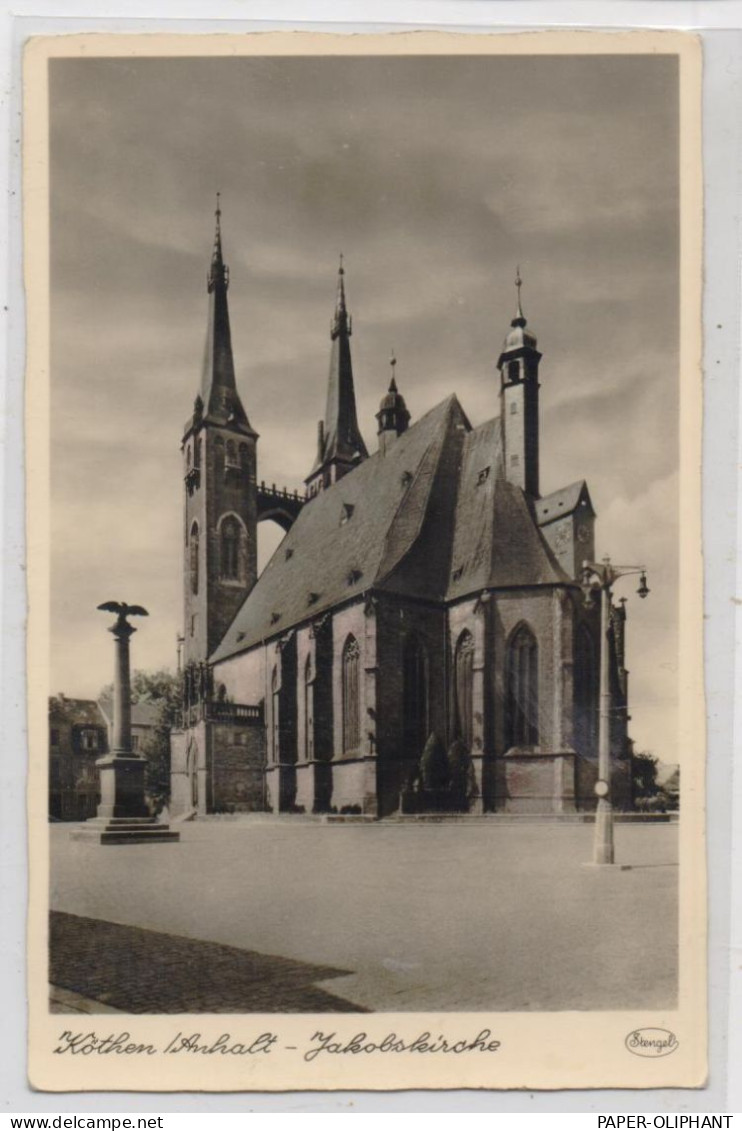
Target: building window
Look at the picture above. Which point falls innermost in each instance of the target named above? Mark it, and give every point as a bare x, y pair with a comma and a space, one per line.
194, 558
351, 708
89, 739
513, 371
231, 459
414, 697
464, 688
229, 542
275, 708
522, 689
586, 694
135, 742
308, 720
513, 408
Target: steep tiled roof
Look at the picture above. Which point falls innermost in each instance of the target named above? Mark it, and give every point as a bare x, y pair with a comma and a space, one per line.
496, 543
433, 518
350, 537
561, 502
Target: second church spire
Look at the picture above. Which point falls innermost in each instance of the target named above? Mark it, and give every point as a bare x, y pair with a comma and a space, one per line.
340, 445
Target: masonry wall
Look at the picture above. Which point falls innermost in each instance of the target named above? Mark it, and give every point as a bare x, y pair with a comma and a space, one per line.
238, 777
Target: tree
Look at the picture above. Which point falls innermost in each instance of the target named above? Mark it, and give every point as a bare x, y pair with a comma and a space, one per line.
648, 794
163, 689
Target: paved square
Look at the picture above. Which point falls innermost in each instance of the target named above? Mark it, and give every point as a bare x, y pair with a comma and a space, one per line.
492, 915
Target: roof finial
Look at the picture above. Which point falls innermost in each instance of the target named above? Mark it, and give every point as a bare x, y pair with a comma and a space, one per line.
519, 319
393, 363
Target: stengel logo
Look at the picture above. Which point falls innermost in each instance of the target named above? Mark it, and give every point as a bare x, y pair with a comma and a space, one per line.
651, 1042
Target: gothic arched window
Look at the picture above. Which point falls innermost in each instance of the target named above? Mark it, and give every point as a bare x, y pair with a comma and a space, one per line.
351, 706
586, 693
308, 719
229, 548
194, 558
414, 697
275, 710
521, 709
231, 458
464, 688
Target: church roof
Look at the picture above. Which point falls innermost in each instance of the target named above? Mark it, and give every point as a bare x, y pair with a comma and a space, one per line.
419, 520
496, 543
562, 502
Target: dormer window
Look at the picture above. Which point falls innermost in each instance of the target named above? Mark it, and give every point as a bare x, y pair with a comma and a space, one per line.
313, 598
347, 513
289, 553
483, 476
275, 617
354, 576
406, 478
457, 573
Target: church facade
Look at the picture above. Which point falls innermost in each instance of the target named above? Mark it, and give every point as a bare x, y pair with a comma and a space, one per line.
419, 639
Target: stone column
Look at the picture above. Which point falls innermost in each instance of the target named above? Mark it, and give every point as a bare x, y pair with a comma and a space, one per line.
121, 771
122, 631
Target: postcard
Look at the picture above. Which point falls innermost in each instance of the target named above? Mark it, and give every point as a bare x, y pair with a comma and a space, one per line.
365, 647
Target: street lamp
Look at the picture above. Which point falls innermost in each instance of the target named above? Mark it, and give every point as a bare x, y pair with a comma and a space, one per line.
599, 577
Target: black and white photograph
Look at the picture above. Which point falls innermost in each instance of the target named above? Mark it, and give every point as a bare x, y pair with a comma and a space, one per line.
369, 410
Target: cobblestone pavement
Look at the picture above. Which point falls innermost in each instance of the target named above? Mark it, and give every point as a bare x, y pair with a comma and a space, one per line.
148, 972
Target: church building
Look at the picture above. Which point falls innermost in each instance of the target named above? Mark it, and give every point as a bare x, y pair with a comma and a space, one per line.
419, 640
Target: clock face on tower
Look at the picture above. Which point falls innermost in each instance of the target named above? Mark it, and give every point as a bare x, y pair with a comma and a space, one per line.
583, 533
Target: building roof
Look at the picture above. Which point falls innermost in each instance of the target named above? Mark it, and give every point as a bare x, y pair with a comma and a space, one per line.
145, 713
561, 502
420, 520
79, 712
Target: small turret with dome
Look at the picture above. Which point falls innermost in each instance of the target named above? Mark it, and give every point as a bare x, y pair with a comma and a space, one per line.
519, 336
393, 415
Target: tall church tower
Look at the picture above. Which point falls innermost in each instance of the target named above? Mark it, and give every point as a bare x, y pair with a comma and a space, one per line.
340, 445
518, 364
219, 470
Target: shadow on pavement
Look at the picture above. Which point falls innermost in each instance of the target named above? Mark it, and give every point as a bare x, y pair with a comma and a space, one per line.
142, 971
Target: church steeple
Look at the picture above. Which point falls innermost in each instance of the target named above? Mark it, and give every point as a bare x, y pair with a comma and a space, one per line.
222, 404
518, 364
340, 444
220, 480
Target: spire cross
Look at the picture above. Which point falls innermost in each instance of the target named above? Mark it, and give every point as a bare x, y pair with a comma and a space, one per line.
519, 316
393, 363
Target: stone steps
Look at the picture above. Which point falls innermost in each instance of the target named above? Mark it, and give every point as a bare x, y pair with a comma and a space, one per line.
126, 830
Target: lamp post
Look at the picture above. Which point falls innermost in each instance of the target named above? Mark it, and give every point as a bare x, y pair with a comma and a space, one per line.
600, 577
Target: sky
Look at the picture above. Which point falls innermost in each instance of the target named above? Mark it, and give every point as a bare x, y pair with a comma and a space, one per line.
436, 177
